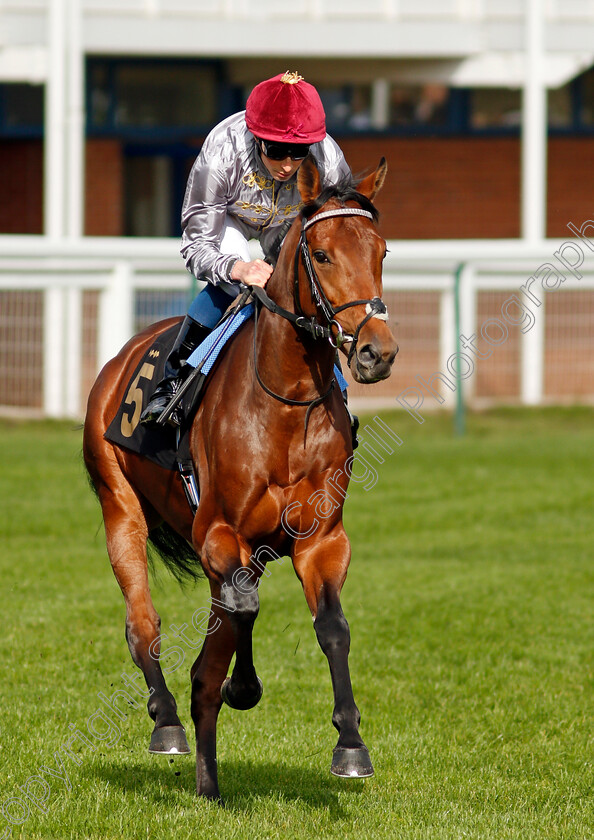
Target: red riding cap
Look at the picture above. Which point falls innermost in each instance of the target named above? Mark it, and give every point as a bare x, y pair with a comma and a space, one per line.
286, 109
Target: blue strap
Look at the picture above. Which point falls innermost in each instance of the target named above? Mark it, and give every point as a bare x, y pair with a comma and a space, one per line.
216, 340
342, 383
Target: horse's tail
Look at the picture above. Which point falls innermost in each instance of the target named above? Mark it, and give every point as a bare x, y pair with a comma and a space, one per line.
176, 553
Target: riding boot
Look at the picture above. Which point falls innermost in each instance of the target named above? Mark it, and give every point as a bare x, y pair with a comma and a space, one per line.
190, 335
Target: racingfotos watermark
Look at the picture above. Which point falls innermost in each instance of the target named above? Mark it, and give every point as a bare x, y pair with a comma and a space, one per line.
103, 728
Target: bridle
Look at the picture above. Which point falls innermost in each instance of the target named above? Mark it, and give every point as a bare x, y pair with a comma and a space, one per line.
374, 307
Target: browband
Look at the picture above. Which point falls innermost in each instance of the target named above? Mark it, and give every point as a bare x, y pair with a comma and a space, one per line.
345, 211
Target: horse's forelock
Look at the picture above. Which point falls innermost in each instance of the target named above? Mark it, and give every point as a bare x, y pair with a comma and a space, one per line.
344, 191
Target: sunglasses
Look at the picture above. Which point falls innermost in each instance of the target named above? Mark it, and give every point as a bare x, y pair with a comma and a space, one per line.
281, 151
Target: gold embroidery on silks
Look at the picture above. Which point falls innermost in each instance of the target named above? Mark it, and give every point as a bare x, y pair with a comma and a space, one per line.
246, 205
274, 215
257, 180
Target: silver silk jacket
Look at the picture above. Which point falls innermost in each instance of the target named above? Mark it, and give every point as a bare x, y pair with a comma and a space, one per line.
229, 178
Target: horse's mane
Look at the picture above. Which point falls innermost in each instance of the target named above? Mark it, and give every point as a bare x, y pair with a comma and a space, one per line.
344, 191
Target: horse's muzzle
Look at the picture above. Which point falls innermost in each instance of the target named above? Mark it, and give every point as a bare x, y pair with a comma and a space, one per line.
372, 362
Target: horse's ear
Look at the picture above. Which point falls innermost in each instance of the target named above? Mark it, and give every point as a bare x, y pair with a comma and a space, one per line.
308, 181
372, 184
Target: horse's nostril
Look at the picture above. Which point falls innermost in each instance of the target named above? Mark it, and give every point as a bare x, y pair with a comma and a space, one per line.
369, 356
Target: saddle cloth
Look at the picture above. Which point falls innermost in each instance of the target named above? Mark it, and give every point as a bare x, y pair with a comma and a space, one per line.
160, 444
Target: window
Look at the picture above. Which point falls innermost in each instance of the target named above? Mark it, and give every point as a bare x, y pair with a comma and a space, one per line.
560, 107
148, 195
152, 95
21, 108
587, 98
165, 95
419, 105
495, 108
502, 107
352, 107
100, 95
348, 107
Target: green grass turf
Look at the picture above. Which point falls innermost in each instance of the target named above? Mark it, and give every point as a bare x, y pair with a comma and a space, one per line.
470, 601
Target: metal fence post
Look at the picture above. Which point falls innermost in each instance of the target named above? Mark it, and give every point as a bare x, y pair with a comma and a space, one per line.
459, 414
532, 353
73, 351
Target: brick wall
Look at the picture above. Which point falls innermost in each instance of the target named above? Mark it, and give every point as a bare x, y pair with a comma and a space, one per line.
436, 187
104, 199
21, 186
570, 184
470, 187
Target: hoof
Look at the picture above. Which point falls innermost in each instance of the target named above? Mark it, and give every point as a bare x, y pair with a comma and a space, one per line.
169, 740
351, 763
239, 703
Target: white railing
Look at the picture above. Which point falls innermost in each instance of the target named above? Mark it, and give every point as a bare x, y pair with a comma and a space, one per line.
63, 271
92, 294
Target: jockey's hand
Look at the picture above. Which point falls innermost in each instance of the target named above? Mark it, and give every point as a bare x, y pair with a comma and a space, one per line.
254, 273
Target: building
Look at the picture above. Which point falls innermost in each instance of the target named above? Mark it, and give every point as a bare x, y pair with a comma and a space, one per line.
104, 105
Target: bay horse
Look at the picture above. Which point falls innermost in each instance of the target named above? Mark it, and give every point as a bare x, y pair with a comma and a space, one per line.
270, 437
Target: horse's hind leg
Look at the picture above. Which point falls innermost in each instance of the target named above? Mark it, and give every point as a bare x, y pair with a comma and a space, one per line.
126, 533
322, 568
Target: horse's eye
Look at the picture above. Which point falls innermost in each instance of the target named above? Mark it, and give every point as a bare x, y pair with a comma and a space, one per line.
320, 257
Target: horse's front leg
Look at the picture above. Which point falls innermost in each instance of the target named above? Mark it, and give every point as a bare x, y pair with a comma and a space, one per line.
226, 558
243, 689
207, 674
235, 606
321, 565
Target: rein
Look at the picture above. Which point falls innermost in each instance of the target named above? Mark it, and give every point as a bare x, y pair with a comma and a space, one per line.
311, 404
374, 308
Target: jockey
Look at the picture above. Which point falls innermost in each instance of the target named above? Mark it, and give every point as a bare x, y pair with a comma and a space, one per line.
243, 186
